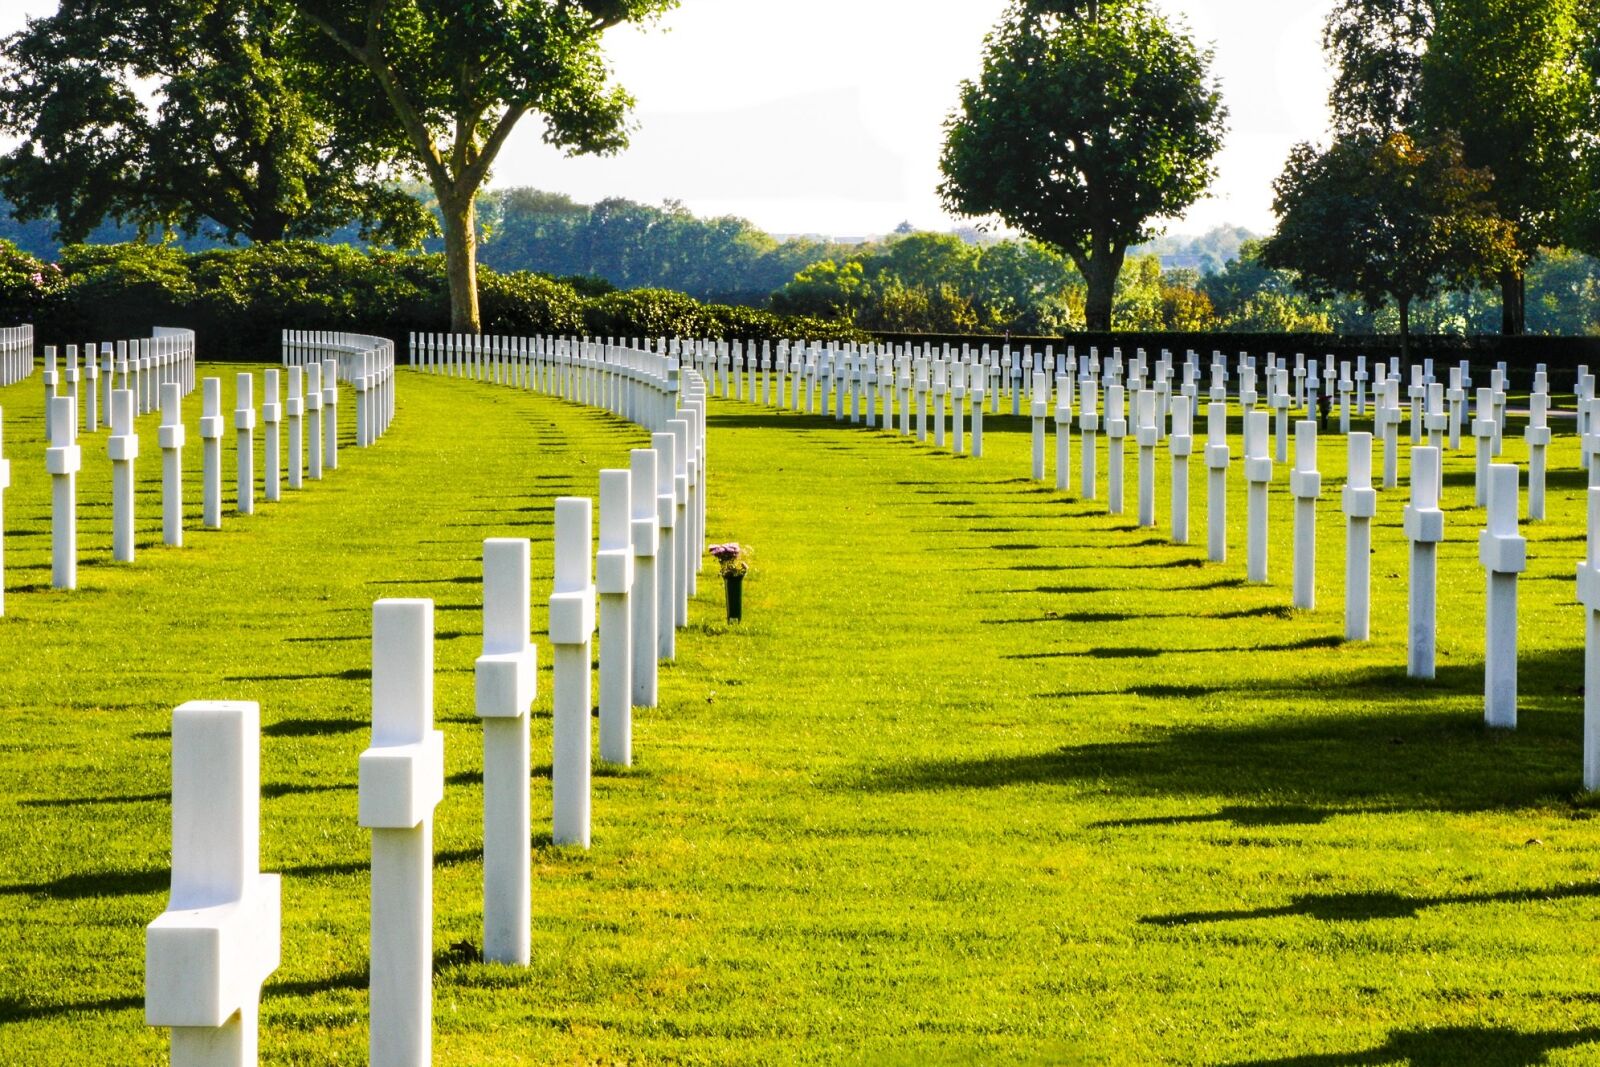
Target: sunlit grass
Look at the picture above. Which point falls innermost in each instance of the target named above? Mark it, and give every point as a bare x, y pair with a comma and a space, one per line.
985, 775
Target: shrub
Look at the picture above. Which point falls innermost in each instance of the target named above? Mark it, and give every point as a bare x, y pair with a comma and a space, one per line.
122, 290
30, 289
524, 304
643, 313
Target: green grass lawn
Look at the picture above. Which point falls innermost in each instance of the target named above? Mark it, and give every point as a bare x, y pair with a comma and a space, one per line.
986, 775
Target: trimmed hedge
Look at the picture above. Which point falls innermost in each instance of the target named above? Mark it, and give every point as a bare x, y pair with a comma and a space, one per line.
239, 300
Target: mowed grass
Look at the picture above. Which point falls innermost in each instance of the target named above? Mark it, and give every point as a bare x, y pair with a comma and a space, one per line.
987, 775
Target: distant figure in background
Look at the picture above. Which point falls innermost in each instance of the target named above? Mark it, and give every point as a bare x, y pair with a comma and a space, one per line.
1324, 407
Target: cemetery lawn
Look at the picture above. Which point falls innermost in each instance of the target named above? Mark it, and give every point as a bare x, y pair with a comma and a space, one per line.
986, 775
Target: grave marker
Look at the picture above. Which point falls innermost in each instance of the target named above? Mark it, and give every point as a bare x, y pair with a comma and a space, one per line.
1258, 475
63, 459
1217, 460
207, 955
572, 620
1504, 555
1538, 438
122, 446
614, 584
401, 781
1360, 507
506, 681
646, 593
171, 437
1589, 597
1305, 483
1424, 527
1180, 445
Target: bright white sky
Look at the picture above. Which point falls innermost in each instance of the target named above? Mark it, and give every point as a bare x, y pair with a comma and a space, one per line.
824, 116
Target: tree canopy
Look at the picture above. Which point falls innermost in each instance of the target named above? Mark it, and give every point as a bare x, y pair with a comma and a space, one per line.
211, 130
1088, 122
443, 83
1387, 219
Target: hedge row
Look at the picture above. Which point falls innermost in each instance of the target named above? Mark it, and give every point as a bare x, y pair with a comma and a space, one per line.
238, 300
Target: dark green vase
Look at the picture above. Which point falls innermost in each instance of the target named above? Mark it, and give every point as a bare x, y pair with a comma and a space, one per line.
734, 584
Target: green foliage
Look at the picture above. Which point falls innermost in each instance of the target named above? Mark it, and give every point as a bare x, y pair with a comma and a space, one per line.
645, 313
633, 245
1375, 48
1388, 220
523, 304
239, 300
441, 86
984, 777
214, 129
116, 291
29, 287
1082, 128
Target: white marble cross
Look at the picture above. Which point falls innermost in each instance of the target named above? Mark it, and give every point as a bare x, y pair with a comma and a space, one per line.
401, 781
1504, 555
572, 622
506, 682
208, 953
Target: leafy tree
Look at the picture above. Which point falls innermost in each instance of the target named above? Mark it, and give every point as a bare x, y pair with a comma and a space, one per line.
235, 142
1376, 47
1505, 75
1088, 121
444, 83
1387, 220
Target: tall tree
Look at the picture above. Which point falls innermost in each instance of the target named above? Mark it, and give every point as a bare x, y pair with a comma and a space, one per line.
1388, 220
211, 129
1376, 47
1089, 121
444, 82
1506, 75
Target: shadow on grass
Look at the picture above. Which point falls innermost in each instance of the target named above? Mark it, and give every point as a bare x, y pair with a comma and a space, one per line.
21, 1011
1251, 815
1152, 653
73, 802
1447, 1046
1377, 904
354, 674
315, 727
1366, 756
94, 884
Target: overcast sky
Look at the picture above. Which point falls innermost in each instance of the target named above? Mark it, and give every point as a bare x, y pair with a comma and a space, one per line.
824, 116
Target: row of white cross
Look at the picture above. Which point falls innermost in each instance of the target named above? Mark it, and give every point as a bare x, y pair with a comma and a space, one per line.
920, 389
311, 415
140, 366
364, 362
209, 953
16, 353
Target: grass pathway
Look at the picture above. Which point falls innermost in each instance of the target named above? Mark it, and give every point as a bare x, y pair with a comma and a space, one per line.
986, 775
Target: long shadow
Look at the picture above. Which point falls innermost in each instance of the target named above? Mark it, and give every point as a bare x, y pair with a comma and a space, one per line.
13, 1010
314, 727
1153, 653
1375, 904
1447, 1046
1376, 752
354, 674
73, 802
94, 884
1279, 611
1236, 815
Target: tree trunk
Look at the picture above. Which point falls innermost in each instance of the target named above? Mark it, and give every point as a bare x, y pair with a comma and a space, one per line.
1405, 332
1513, 303
1100, 273
461, 258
